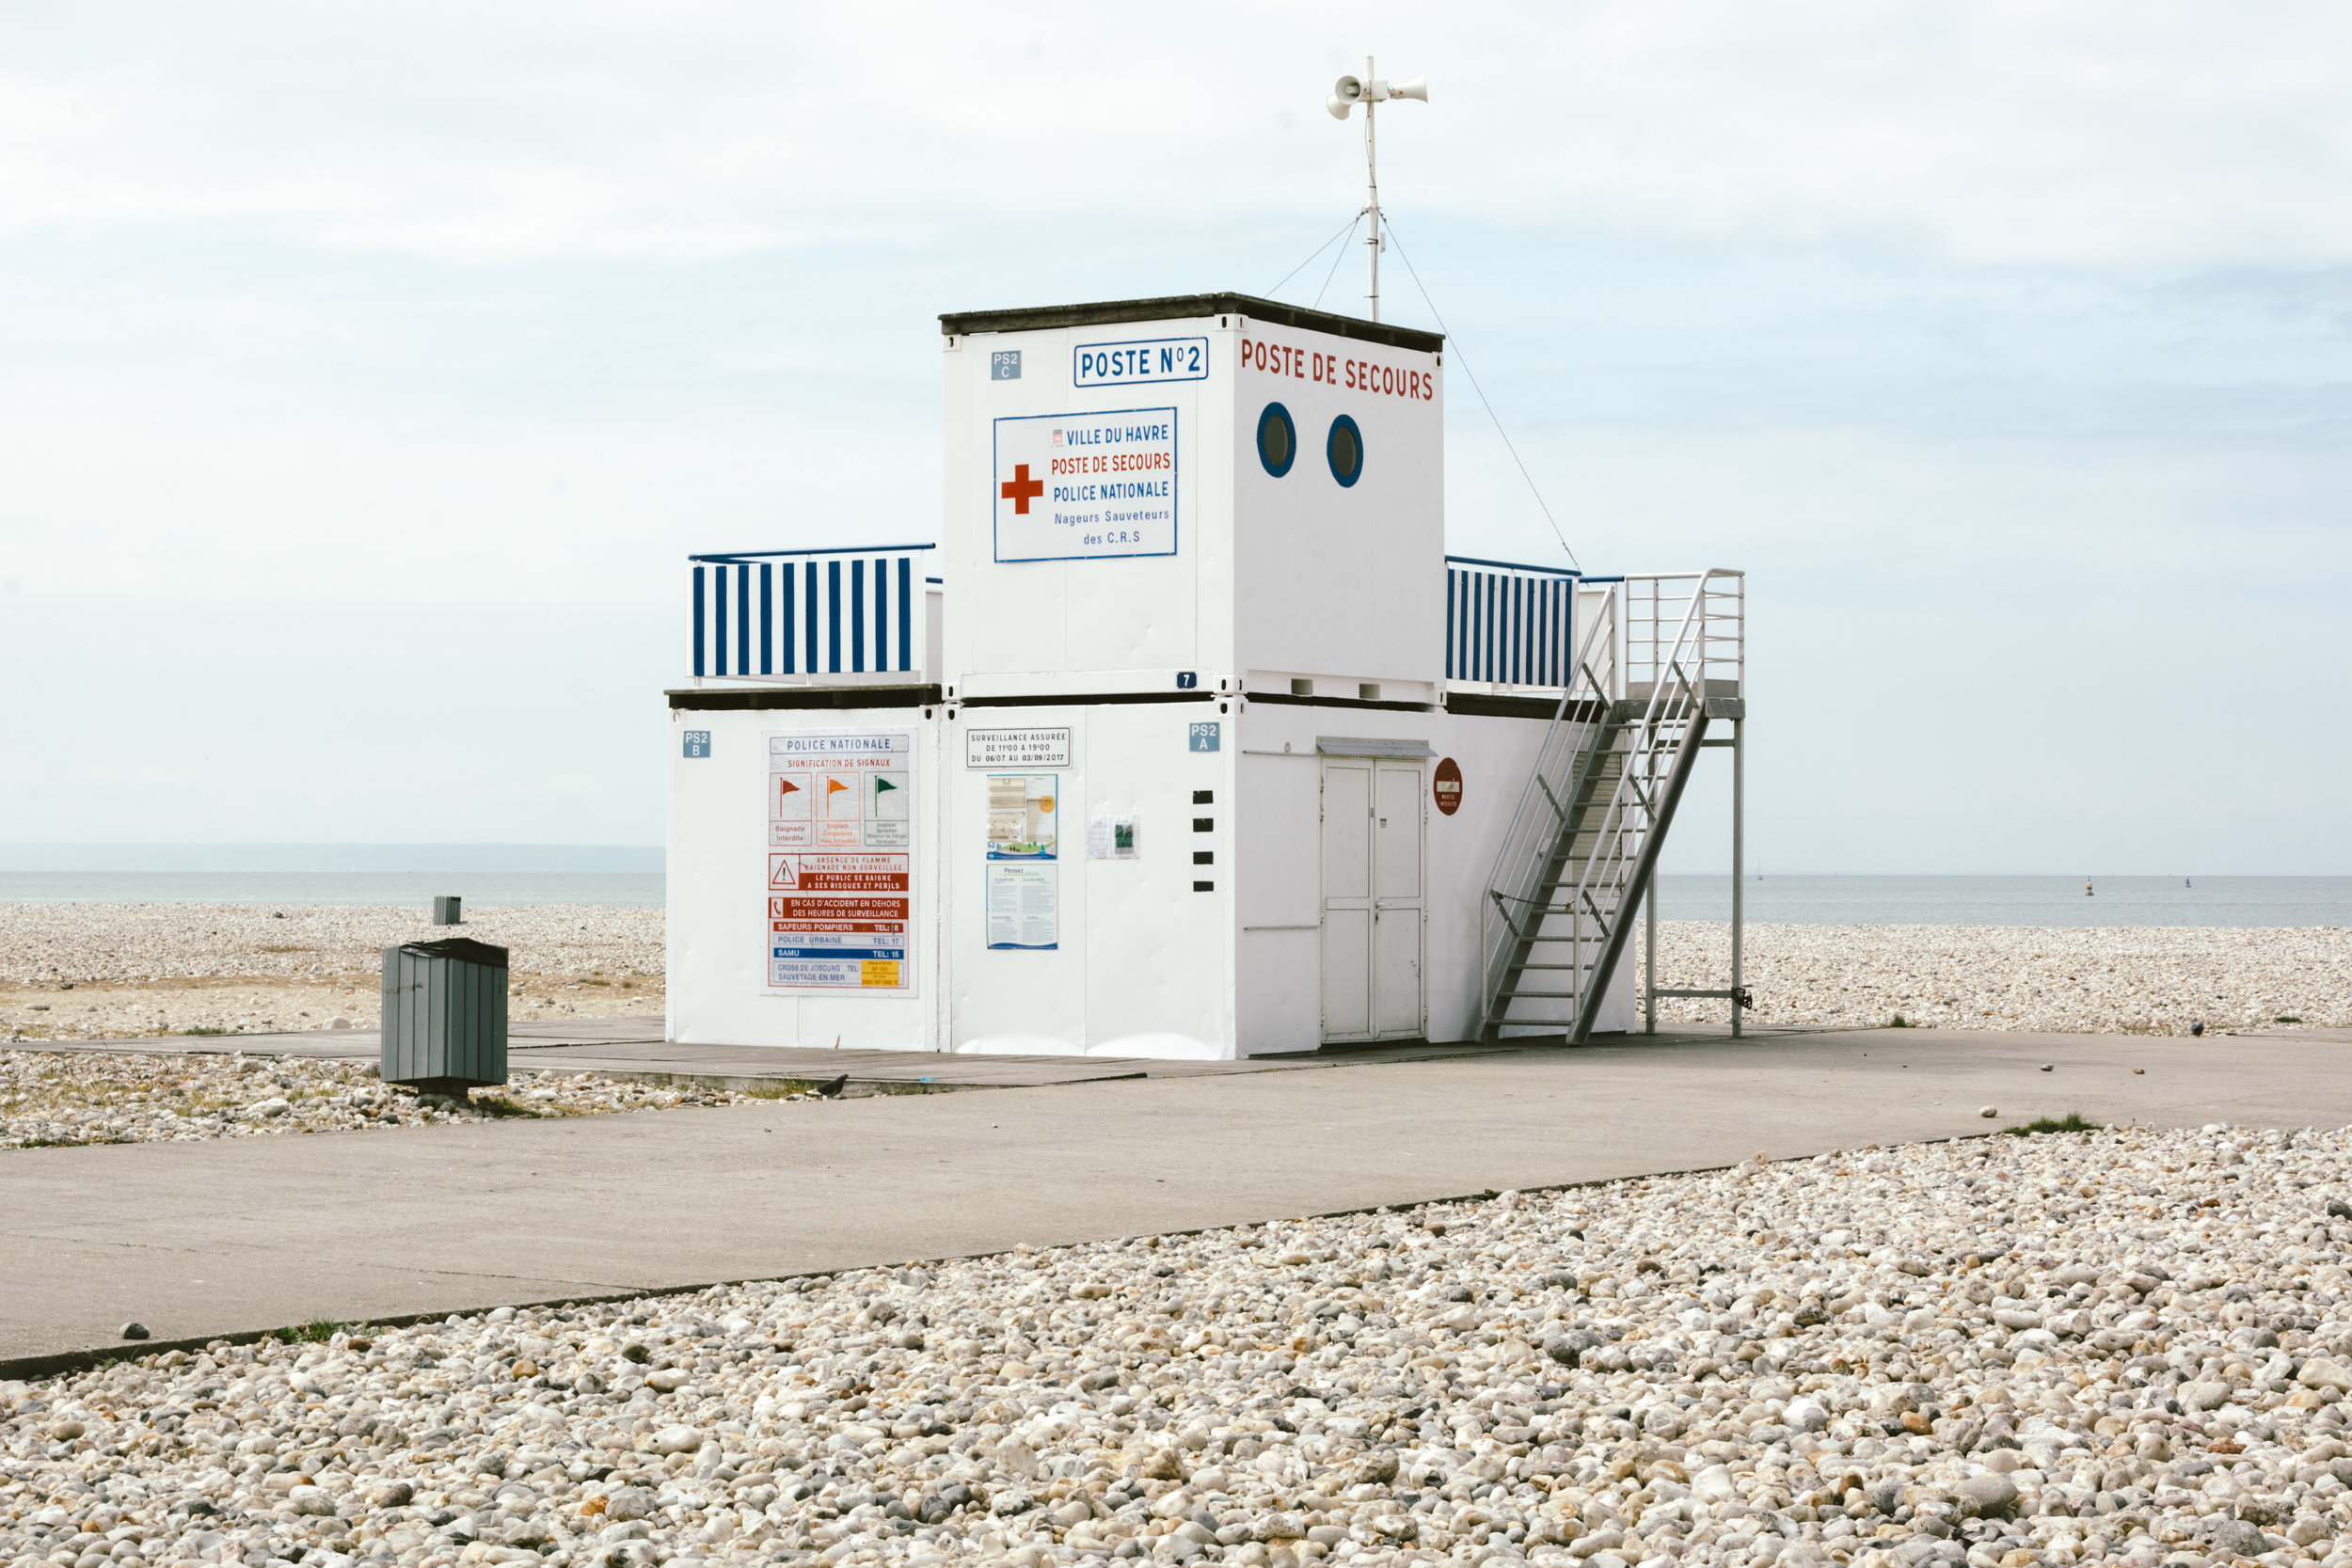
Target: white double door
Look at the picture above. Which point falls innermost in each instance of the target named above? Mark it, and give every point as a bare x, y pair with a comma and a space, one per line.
1372, 907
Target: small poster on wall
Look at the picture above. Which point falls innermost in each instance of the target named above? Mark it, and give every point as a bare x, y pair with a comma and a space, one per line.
1021, 817
1023, 851
1112, 838
1023, 907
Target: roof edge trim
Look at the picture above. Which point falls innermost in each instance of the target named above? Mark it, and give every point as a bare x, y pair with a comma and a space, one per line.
1185, 307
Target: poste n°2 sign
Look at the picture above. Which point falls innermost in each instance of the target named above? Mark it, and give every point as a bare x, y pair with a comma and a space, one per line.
1142, 360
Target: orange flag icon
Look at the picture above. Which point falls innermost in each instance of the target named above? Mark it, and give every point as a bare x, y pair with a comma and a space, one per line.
835, 786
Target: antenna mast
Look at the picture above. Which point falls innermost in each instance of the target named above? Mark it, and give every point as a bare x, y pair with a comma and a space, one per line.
1372, 200
1368, 90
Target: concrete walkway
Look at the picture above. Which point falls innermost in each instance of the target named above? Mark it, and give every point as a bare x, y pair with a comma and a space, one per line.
204, 1238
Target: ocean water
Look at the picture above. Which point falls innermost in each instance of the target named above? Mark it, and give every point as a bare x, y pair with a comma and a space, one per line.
480, 889
2013, 900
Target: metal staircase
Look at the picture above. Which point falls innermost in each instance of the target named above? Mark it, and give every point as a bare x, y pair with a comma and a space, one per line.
1665, 656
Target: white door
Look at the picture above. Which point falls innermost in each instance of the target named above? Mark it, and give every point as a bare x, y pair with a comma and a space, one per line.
1372, 900
1348, 900
1396, 911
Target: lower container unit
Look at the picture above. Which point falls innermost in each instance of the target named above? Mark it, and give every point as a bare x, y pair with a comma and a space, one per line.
1199, 879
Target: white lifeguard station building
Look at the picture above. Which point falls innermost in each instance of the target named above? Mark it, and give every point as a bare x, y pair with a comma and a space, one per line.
1186, 737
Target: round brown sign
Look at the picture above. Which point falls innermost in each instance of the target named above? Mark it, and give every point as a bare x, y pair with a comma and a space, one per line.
1447, 787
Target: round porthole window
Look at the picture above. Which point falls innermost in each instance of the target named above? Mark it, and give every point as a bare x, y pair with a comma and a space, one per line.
1277, 440
1345, 449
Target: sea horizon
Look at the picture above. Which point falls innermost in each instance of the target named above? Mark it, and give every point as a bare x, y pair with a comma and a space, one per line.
1773, 898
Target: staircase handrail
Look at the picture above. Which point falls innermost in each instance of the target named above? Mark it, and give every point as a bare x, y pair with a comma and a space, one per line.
1582, 676
1541, 873
1693, 614
1675, 697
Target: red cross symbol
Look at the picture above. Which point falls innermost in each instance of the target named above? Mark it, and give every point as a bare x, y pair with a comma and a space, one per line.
1020, 488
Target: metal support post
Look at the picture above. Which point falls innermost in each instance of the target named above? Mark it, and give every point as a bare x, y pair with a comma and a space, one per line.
1738, 868
1576, 956
1649, 958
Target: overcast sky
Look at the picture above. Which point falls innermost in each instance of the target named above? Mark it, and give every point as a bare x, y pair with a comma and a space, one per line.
367, 371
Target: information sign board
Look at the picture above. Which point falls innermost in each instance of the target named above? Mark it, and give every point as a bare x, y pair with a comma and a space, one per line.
1041, 748
840, 863
1086, 487
1138, 360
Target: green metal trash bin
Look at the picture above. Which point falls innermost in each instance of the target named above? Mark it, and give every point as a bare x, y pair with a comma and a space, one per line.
444, 1015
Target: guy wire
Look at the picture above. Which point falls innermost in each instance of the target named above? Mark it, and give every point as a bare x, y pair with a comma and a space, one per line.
1454, 345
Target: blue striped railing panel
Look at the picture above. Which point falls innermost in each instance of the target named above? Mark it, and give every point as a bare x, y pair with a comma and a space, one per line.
799, 612
1510, 625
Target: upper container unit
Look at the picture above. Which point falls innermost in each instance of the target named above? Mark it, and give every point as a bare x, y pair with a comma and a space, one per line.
1211, 490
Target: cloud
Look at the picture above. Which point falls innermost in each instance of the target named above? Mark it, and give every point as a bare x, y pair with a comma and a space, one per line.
2005, 344
2097, 136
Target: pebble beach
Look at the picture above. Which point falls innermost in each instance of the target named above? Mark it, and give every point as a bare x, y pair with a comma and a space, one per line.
2133, 980
151, 968
2113, 1346
116, 971
55, 1099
